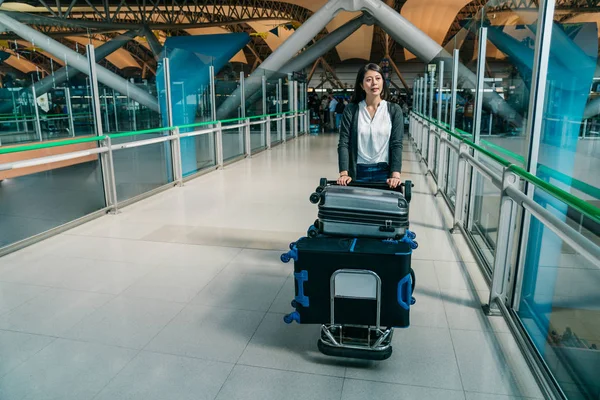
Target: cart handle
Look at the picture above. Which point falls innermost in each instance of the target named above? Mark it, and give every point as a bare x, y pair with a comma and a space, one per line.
405, 187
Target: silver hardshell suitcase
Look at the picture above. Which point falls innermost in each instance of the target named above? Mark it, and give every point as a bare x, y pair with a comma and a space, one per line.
361, 210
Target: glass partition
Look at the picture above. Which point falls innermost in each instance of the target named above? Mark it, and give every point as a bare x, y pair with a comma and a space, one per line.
510, 39
559, 303
17, 120
286, 105
467, 42
255, 107
226, 85
36, 199
191, 103
274, 107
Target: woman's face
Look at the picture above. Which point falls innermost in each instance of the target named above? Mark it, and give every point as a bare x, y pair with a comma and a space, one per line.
372, 83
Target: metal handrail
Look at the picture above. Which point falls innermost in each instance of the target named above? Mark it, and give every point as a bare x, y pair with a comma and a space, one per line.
38, 146
46, 145
576, 203
559, 176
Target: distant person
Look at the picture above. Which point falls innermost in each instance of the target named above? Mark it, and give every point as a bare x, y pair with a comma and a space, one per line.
332, 105
339, 110
370, 145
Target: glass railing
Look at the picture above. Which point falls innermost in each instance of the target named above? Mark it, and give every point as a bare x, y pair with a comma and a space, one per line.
44, 186
552, 281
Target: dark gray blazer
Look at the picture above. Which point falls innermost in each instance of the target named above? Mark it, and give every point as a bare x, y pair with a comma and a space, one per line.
348, 144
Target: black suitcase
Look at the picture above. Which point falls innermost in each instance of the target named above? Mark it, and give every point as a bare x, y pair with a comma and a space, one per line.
361, 210
317, 259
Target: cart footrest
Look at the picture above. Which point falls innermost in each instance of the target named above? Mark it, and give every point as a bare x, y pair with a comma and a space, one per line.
363, 354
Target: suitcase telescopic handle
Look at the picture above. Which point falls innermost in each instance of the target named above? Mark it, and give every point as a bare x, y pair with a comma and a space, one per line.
405, 187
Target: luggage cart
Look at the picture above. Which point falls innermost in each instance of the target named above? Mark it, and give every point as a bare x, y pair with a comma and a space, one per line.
365, 338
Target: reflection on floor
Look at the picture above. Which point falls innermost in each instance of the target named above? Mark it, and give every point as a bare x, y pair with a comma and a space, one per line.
182, 296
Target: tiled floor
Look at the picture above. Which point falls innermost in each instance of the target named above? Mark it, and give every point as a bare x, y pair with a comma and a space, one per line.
181, 296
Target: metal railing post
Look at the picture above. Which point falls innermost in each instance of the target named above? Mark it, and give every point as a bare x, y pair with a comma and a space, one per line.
295, 105
424, 105
110, 180
70, 111
212, 143
443, 151
242, 114
175, 145
268, 134
280, 111
177, 159
219, 145
38, 126
424, 139
504, 244
247, 137
455, 63
428, 142
263, 128
106, 121
430, 148
115, 108
440, 144
431, 93
425, 81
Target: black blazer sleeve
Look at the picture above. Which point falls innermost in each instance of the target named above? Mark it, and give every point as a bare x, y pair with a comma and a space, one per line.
344, 142
396, 138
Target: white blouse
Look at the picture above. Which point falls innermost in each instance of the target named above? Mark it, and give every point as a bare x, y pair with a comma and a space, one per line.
373, 134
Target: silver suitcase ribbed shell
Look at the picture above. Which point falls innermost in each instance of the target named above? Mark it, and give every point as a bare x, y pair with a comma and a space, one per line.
362, 212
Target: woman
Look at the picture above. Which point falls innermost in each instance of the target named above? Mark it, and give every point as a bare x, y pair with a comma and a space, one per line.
370, 145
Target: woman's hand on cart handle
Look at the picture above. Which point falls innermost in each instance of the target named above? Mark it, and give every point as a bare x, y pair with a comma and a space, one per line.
344, 179
394, 181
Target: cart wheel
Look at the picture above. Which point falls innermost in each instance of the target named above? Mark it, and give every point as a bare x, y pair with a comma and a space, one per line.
414, 245
323, 182
285, 258
294, 304
313, 232
411, 234
315, 198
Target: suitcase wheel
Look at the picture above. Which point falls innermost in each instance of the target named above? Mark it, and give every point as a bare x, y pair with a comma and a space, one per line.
313, 232
319, 189
285, 258
411, 234
323, 182
315, 198
294, 304
414, 245
292, 245
291, 317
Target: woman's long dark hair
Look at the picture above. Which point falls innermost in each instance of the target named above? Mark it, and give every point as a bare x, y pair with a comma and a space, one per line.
359, 93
